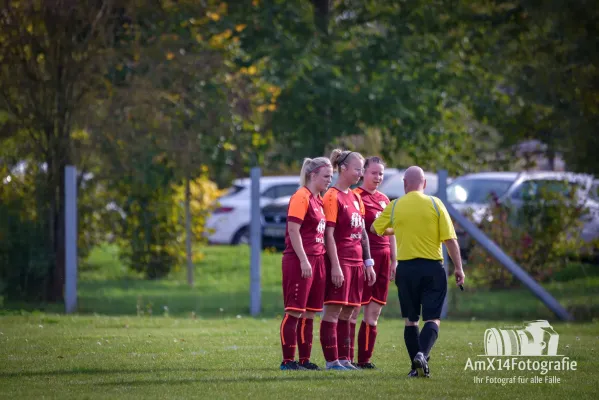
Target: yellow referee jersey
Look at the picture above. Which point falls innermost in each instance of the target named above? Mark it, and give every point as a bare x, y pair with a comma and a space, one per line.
421, 223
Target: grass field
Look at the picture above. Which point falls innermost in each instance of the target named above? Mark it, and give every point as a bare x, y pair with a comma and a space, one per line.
64, 357
222, 289
138, 339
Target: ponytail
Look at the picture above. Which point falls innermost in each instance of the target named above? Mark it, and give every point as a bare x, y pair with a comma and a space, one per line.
342, 157
304, 171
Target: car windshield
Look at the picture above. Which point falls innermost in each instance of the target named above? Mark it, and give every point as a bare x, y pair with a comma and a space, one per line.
233, 190
476, 190
534, 188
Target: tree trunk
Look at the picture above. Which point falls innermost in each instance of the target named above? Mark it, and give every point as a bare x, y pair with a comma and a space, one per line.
56, 292
59, 158
551, 158
188, 233
321, 15
50, 208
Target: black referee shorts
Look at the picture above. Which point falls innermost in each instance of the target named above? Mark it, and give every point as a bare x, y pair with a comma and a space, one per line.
420, 283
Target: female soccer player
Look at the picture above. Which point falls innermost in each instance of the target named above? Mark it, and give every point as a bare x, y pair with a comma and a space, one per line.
383, 253
303, 262
348, 260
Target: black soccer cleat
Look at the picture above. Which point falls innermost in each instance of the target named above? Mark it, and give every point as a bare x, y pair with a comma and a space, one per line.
291, 366
413, 374
308, 365
367, 365
428, 358
421, 365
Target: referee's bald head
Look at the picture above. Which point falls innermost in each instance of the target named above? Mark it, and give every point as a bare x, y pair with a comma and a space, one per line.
414, 179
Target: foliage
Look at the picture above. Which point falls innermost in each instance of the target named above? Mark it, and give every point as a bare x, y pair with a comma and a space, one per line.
345, 68
541, 236
204, 194
151, 236
46, 75
25, 253
143, 96
537, 64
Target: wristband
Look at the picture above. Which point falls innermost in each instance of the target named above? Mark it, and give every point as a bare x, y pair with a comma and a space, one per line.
369, 262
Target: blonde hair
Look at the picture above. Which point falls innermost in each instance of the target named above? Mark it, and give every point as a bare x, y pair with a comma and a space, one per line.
342, 157
311, 165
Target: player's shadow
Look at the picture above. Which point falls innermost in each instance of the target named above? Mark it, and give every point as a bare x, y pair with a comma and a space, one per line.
291, 376
99, 371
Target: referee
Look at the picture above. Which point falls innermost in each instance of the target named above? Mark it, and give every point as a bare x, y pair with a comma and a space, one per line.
420, 224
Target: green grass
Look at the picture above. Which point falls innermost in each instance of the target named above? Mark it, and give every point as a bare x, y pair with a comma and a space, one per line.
54, 356
222, 289
204, 345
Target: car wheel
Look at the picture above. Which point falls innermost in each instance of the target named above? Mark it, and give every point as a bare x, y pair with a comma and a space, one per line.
242, 236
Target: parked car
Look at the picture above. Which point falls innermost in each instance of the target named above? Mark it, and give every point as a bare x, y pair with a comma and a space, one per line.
274, 217
471, 194
230, 222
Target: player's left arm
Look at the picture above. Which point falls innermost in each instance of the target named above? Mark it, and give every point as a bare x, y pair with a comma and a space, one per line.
364, 241
365, 245
369, 273
448, 236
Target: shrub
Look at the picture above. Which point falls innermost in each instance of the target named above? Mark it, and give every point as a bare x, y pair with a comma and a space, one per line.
541, 236
25, 254
153, 237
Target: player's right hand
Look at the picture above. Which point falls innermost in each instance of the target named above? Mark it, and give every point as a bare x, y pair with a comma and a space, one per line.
306, 269
337, 276
459, 277
392, 271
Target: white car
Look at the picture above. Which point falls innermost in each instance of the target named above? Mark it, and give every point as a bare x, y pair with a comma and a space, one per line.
230, 222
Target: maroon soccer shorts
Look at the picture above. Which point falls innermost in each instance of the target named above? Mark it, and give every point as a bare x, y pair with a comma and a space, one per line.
350, 292
303, 294
378, 292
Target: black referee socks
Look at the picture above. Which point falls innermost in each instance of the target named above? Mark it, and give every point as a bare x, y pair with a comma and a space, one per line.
410, 336
427, 337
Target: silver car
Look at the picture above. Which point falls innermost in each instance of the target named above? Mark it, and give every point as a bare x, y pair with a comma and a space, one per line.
473, 192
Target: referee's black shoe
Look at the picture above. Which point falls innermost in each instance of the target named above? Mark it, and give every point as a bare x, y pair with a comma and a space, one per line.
413, 373
421, 365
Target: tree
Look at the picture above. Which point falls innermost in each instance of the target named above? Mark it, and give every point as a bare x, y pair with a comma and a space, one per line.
346, 67
537, 63
50, 56
178, 105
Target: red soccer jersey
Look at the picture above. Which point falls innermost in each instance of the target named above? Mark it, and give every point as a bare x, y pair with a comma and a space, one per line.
306, 210
374, 204
345, 212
